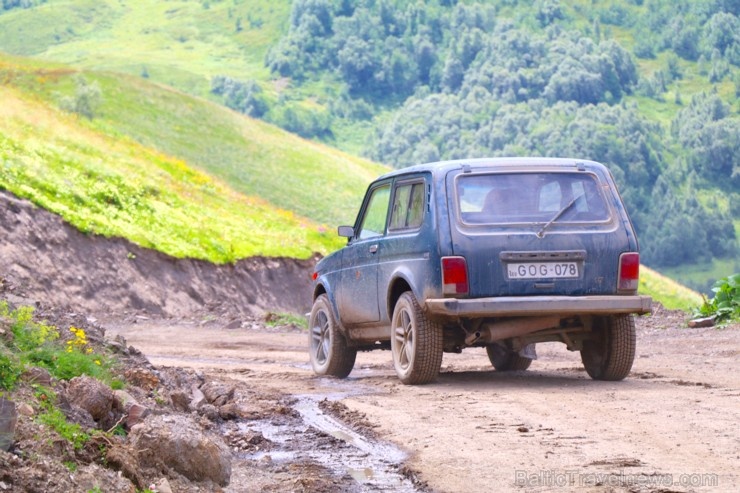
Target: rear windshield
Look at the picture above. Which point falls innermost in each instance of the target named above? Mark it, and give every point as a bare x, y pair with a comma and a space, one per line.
517, 198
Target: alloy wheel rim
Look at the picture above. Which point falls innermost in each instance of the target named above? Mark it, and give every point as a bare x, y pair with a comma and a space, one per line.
320, 338
404, 338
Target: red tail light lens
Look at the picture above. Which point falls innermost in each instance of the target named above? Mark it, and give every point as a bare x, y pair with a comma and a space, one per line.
629, 271
454, 275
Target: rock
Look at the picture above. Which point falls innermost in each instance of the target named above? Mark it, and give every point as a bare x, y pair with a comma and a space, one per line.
40, 376
141, 377
117, 345
209, 411
25, 409
702, 322
136, 414
178, 443
229, 411
91, 395
217, 393
234, 324
181, 400
93, 477
123, 400
122, 459
8, 420
162, 486
198, 398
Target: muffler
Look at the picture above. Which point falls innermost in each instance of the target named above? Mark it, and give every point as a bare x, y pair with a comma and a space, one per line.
499, 330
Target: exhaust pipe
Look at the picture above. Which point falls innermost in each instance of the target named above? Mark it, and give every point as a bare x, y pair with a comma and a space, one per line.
513, 327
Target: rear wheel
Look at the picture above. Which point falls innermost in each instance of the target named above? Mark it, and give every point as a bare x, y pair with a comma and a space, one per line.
416, 342
328, 348
609, 356
504, 359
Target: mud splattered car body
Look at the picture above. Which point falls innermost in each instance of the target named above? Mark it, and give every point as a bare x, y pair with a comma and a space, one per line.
501, 253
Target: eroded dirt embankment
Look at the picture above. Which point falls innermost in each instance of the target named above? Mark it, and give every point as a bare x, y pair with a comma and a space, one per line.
46, 259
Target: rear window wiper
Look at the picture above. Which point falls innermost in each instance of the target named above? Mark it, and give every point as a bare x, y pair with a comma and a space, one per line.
541, 232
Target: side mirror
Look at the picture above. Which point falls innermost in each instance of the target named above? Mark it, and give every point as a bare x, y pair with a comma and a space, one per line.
346, 231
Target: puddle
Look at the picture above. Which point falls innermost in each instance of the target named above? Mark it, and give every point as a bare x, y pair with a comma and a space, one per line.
371, 463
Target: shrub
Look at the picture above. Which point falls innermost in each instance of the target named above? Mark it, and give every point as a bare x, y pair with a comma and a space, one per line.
726, 302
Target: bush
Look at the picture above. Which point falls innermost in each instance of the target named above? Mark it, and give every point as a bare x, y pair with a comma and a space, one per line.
35, 343
726, 302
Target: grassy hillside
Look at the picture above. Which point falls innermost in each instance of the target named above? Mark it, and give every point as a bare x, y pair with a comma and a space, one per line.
181, 43
671, 294
136, 173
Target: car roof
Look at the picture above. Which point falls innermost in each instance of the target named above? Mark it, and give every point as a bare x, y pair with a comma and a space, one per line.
443, 167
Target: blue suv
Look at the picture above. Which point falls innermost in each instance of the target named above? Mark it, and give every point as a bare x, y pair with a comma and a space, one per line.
497, 253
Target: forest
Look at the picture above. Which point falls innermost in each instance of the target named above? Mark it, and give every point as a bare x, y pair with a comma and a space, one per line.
445, 79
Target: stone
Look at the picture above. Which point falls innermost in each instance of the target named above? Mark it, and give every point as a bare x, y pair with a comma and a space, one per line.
25, 409
40, 376
198, 398
91, 395
123, 400
136, 414
122, 459
181, 400
8, 421
702, 322
217, 393
229, 411
142, 377
179, 444
163, 486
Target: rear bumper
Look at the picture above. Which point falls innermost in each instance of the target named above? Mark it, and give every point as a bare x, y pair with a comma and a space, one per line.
518, 306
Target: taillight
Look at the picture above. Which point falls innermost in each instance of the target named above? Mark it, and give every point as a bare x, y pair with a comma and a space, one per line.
314, 276
454, 275
629, 271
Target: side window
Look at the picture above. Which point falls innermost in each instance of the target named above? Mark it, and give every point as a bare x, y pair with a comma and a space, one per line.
373, 223
408, 206
550, 197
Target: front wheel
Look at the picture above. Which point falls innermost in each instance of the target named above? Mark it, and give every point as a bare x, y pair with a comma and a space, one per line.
328, 348
610, 354
416, 342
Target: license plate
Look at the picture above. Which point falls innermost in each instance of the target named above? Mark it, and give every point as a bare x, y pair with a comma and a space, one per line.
542, 270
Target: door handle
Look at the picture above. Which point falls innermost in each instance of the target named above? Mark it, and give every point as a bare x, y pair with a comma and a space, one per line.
373, 248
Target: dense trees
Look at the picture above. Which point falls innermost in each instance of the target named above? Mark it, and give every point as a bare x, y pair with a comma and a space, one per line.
23, 4
443, 79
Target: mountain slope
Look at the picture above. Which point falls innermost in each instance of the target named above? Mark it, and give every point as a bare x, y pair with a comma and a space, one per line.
102, 180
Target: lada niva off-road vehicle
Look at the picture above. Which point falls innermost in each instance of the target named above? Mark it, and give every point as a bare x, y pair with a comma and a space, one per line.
496, 253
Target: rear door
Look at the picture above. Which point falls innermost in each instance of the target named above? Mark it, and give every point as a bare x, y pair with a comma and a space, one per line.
543, 231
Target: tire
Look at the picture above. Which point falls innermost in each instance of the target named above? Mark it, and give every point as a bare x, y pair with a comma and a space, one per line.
503, 359
610, 355
328, 348
416, 342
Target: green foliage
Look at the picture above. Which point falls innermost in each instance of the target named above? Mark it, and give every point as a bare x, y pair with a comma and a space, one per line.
725, 304
10, 368
107, 184
245, 97
23, 4
275, 319
54, 418
86, 100
36, 344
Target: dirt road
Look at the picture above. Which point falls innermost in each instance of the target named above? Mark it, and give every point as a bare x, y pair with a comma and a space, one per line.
672, 426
